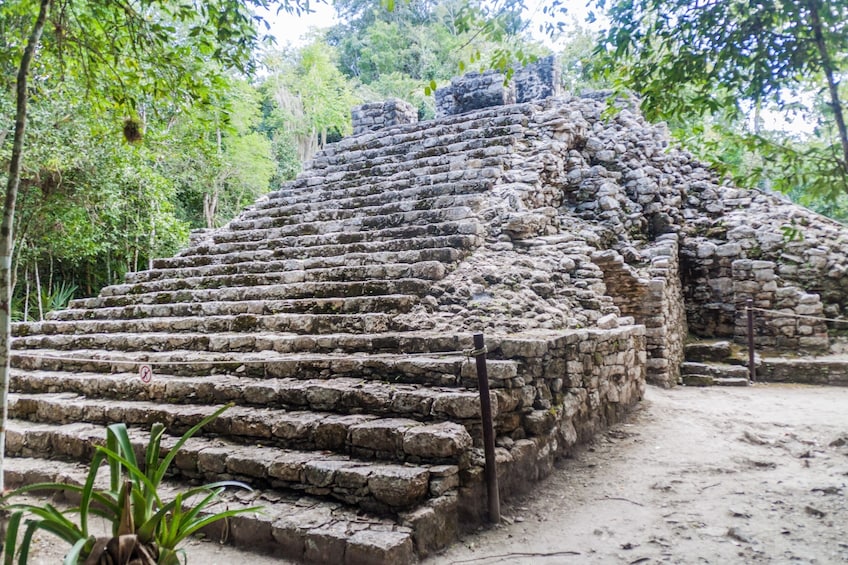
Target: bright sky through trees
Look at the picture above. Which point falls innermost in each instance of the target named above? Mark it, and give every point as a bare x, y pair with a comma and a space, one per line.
294, 29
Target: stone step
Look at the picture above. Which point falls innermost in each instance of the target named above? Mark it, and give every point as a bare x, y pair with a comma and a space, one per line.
408, 150
429, 270
362, 435
426, 370
395, 303
358, 224
822, 370
408, 286
296, 527
402, 142
714, 369
252, 264
731, 381
339, 395
299, 249
470, 144
353, 210
268, 241
404, 343
384, 488
712, 380
386, 140
291, 323
388, 200
440, 173
705, 351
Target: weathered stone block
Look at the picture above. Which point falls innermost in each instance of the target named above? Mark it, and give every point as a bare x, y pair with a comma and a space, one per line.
441, 440
399, 487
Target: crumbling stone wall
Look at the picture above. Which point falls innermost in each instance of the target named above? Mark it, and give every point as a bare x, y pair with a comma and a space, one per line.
474, 91
796, 323
652, 294
728, 224
378, 115
538, 81
572, 184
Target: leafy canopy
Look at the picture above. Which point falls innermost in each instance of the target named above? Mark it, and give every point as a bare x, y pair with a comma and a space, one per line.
693, 59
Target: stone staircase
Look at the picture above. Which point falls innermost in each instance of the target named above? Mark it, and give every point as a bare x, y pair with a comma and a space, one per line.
714, 363
356, 417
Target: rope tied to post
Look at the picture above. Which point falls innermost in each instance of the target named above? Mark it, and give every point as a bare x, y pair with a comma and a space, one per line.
469, 353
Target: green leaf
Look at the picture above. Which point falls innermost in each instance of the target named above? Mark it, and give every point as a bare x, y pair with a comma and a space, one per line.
74, 556
10, 545
88, 491
26, 541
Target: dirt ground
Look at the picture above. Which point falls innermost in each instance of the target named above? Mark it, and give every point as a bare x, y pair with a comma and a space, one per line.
714, 475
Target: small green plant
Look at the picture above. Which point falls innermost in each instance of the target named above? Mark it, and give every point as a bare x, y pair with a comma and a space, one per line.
59, 298
146, 530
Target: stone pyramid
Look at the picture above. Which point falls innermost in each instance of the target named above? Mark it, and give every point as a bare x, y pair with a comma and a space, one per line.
336, 314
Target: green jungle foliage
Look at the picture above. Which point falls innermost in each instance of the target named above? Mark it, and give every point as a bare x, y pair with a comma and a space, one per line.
736, 65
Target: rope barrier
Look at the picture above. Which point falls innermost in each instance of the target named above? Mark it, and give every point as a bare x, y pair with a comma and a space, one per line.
793, 315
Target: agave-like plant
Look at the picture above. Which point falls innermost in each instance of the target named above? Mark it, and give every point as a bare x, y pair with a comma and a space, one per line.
146, 530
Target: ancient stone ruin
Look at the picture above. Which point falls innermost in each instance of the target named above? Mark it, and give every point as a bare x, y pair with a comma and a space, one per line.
336, 314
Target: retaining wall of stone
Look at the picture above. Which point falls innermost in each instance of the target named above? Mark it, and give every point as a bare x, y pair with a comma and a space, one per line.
584, 381
792, 260
719, 284
821, 371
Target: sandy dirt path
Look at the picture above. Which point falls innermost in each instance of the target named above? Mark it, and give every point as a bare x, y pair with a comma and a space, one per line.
718, 475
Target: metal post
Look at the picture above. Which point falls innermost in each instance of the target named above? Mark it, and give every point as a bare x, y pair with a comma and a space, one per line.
491, 472
752, 370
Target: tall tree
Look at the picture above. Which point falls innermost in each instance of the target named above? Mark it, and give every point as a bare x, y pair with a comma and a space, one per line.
127, 53
308, 97
734, 55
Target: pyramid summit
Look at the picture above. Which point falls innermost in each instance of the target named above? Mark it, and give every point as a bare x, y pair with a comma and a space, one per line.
337, 314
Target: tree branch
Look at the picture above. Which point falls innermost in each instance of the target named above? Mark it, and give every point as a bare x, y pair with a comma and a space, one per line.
832, 86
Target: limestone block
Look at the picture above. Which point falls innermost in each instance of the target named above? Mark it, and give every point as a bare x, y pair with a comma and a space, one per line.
369, 547
399, 486
434, 525
326, 543
441, 440
383, 435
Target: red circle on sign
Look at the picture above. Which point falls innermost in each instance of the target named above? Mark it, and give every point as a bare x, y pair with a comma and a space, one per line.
145, 373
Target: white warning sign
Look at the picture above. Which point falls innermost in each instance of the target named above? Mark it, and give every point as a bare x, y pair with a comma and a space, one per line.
145, 373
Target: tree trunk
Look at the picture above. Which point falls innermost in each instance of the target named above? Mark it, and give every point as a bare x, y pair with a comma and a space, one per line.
135, 256
210, 206
152, 248
832, 84
8, 221
38, 294
26, 296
